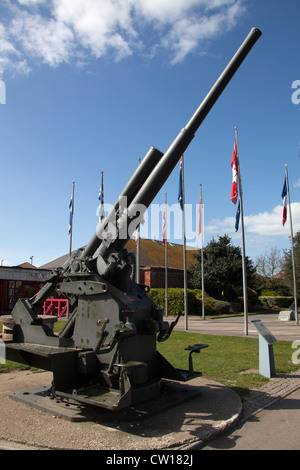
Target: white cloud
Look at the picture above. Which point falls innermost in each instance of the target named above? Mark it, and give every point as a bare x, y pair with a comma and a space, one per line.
98, 24
63, 30
187, 33
49, 40
30, 2
264, 224
262, 230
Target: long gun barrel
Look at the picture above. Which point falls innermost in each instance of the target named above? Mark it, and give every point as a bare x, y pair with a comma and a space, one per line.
161, 171
106, 354
147, 181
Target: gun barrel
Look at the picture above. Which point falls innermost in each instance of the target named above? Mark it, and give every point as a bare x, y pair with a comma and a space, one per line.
129, 192
171, 157
166, 164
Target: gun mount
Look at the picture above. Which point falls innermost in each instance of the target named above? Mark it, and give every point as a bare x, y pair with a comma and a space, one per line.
106, 354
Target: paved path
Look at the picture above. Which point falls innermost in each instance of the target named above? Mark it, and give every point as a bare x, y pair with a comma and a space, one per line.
271, 414
273, 428
234, 326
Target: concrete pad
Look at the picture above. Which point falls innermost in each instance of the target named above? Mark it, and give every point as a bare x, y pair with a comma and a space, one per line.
184, 427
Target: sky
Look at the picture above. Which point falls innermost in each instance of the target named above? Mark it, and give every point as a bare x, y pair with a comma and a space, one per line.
90, 85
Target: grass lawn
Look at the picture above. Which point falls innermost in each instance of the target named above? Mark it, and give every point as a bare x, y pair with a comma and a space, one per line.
230, 360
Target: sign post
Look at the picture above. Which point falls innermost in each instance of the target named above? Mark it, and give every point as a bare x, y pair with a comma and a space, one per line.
266, 355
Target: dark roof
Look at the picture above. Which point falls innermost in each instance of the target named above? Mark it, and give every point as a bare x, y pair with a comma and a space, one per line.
25, 265
152, 253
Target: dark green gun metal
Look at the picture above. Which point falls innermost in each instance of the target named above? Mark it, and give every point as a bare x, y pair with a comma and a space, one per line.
106, 355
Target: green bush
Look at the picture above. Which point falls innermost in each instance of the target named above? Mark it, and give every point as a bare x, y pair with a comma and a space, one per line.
176, 301
270, 293
221, 307
276, 301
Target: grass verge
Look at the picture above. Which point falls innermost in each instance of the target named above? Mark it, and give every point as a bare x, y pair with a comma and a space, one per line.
230, 360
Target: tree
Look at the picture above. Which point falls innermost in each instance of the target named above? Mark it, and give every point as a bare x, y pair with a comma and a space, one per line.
223, 272
268, 265
287, 268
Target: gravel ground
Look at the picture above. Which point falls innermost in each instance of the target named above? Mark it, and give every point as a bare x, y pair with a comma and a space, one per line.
23, 426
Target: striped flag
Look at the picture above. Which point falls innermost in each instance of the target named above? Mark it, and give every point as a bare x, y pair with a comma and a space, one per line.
71, 207
101, 199
284, 201
200, 216
237, 217
180, 194
164, 227
234, 166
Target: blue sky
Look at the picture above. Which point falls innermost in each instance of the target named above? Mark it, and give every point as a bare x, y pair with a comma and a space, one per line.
92, 84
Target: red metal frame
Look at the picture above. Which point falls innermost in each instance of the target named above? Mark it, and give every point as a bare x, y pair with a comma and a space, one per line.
57, 307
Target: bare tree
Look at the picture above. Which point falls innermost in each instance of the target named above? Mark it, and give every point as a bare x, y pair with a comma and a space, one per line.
269, 264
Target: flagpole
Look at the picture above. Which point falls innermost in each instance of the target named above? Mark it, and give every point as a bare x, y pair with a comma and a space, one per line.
184, 250
166, 258
71, 217
202, 261
292, 244
243, 240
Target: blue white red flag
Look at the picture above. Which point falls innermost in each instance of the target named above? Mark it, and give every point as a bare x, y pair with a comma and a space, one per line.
284, 201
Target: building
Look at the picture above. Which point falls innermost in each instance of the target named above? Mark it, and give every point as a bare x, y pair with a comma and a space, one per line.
22, 281
152, 262
25, 280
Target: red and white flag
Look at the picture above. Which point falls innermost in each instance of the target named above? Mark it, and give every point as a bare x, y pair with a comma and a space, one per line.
200, 216
234, 166
164, 227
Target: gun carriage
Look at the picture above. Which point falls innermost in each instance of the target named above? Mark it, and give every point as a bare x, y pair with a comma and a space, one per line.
106, 354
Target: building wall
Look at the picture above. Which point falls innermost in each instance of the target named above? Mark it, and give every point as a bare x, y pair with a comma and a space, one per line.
18, 283
154, 277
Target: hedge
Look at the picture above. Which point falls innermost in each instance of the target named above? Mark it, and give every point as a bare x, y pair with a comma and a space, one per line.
176, 301
276, 301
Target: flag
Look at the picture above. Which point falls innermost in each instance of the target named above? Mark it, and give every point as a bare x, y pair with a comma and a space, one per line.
101, 199
180, 195
234, 166
71, 208
237, 217
200, 216
164, 227
284, 200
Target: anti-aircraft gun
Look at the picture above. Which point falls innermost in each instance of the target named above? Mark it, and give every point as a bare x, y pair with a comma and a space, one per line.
106, 354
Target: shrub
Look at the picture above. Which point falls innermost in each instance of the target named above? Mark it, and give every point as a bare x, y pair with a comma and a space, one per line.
276, 301
176, 301
269, 293
221, 307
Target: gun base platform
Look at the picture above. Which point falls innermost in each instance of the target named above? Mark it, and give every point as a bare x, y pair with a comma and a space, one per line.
172, 394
